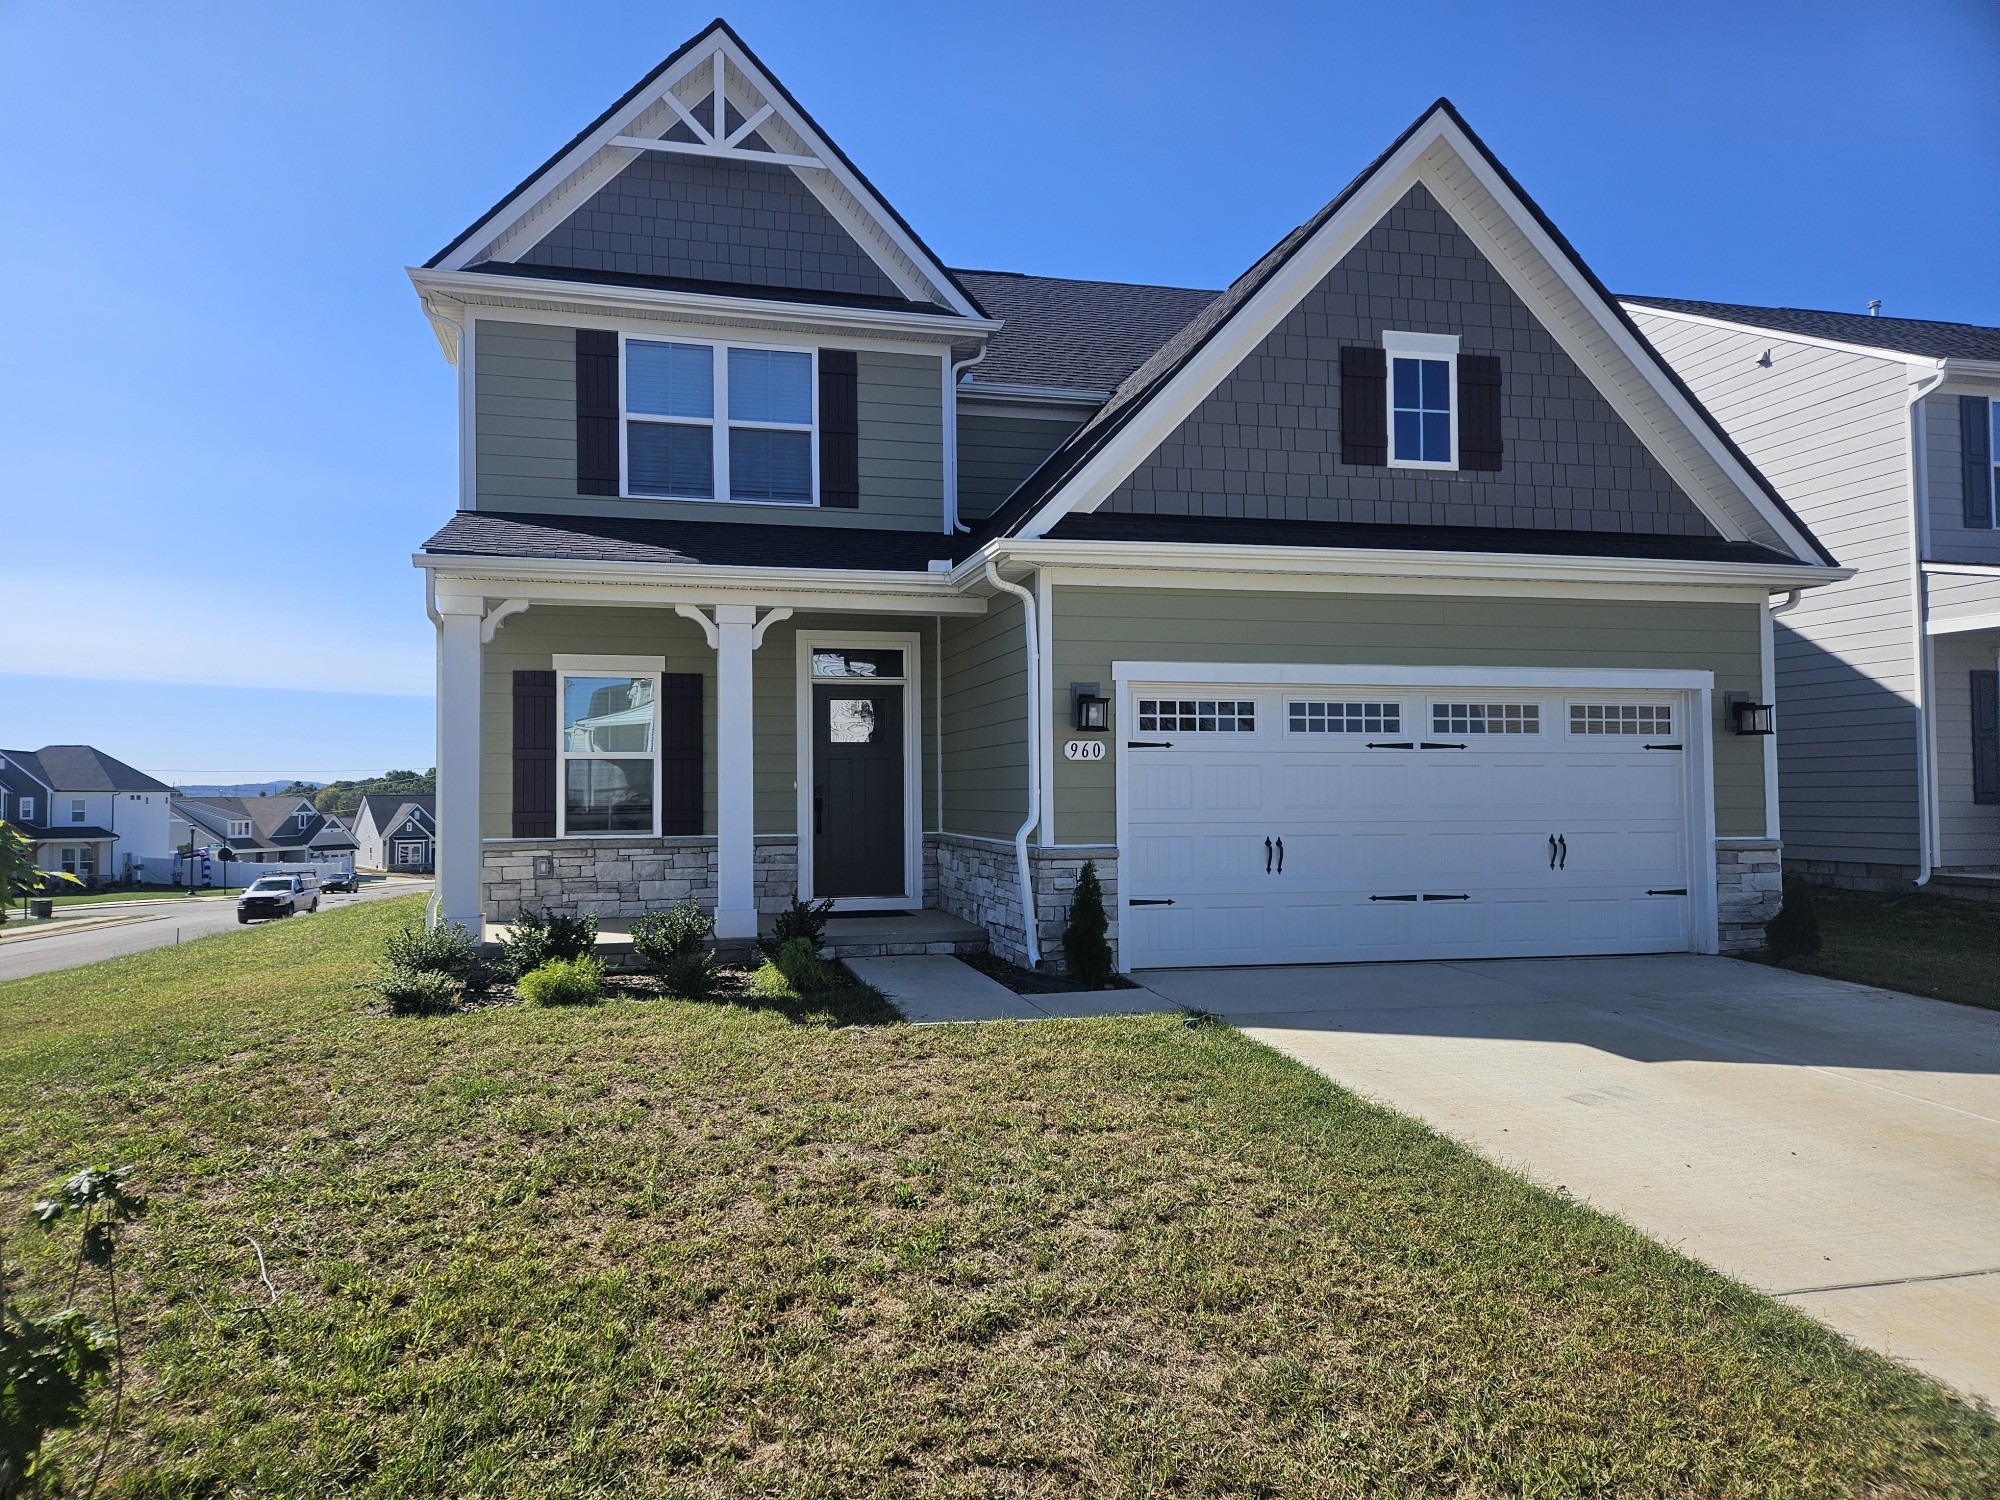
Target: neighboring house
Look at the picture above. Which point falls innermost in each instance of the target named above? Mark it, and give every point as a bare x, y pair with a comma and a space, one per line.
396, 832
264, 830
1881, 433
1382, 606
87, 813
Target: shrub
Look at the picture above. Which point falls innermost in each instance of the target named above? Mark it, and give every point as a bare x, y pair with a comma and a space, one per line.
1794, 931
535, 937
1085, 951
447, 949
673, 945
563, 981
802, 919
418, 992
794, 969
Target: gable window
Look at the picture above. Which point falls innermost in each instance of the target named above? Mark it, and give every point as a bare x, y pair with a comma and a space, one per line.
719, 422
305, 820
27, 809
1423, 409
609, 752
78, 810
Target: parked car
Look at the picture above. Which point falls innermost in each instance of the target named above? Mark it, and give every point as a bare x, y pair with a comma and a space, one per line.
278, 896
350, 882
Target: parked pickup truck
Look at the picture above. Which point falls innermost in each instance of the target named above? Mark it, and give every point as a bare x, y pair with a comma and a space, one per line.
278, 896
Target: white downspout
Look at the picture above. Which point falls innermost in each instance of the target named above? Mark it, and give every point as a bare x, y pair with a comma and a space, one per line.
952, 372
1919, 537
1034, 816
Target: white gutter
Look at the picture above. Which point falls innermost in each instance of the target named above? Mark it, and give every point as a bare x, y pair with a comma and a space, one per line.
1921, 683
953, 373
1034, 760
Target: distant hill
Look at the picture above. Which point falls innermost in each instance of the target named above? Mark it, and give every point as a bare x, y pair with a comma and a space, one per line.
250, 788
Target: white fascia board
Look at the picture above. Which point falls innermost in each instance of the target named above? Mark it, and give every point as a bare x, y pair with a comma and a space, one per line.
1961, 624
1373, 675
1112, 558
1251, 323
1776, 335
475, 288
625, 583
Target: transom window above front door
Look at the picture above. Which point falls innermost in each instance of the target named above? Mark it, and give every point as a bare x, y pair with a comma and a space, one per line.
609, 750
719, 422
1423, 410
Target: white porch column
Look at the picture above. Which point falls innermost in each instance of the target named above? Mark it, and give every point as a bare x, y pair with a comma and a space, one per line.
459, 671
735, 774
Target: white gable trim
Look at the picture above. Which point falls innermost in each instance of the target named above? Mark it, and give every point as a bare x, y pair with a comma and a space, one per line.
1441, 157
530, 213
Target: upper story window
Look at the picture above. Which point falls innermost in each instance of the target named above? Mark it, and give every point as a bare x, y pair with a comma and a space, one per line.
27, 809
239, 828
304, 819
609, 750
1979, 443
79, 810
1423, 406
716, 421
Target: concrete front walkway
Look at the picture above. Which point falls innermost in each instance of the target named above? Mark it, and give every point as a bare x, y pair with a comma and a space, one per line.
1835, 1146
935, 987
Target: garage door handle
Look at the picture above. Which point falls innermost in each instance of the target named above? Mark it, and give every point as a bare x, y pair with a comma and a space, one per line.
1433, 896
1662, 747
1392, 898
1552, 851
1562, 844
1438, 745
1681, 891
1391, 745
1149, 744
1153, 901
1267, 856
1281, 856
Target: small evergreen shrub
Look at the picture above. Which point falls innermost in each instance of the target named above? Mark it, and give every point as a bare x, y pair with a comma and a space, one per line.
447, 949
535, 937
794, 970
1794, 931
802, 919
563, 981
1086, 953
673, 944
418, 992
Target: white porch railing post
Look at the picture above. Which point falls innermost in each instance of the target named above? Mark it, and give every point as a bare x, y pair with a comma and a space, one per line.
459, 671
735, 774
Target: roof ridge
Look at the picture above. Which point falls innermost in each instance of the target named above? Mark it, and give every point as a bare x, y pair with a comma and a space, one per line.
1149, 286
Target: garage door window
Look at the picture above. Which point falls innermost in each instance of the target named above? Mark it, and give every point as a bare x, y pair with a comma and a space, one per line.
1621, 718
1486, 718
1311, 717
1197, 715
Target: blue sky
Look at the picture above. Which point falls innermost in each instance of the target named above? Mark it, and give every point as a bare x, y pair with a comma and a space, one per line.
225, 426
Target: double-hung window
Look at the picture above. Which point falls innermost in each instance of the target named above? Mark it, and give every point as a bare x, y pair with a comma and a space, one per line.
27, 809
1423, 399
609, 747
719, 422
79, 811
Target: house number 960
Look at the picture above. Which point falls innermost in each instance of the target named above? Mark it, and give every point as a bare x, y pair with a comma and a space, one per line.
1083, 750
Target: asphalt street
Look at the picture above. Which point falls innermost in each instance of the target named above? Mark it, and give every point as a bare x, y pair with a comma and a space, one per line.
21, 957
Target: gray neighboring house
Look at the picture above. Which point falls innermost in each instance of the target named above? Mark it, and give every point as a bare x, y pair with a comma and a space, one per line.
1881, 433
264, 830
396, 832
88, 814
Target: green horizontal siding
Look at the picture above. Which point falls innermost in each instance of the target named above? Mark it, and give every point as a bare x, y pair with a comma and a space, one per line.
985, 722
996, 453
1094, 627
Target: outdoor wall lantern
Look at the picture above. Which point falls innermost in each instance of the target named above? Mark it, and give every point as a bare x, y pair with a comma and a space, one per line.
1087, 710
1747, 716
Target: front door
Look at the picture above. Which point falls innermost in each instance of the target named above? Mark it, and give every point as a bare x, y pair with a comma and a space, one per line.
857, 796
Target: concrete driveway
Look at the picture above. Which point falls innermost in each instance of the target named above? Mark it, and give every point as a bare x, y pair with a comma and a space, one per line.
1835, 1146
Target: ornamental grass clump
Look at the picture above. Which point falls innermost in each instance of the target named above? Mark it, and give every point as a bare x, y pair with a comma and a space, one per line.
418, 992
535, 937
674, 945
563, 981
794, 970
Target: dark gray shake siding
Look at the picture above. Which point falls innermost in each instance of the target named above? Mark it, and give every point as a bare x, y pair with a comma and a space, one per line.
739, 222
1266, 442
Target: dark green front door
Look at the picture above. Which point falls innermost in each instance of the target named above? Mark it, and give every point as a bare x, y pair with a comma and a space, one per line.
857, 802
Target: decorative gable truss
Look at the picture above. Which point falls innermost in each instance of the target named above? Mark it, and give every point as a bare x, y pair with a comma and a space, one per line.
1441, 154
712, 100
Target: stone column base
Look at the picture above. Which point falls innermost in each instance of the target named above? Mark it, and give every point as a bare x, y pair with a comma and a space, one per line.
1749, 889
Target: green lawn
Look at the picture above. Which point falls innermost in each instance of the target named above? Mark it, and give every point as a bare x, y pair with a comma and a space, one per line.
140, 893
666, 1248
1920, 944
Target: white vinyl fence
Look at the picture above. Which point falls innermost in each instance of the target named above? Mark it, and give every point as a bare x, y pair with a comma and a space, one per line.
209, 872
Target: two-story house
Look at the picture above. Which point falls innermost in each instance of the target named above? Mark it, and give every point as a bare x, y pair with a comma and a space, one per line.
1881, 433
1390, 603
87, 814
397, 832
264, 830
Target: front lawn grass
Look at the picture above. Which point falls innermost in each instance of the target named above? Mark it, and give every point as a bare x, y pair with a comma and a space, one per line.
667, 1248
1920, 944
140, 893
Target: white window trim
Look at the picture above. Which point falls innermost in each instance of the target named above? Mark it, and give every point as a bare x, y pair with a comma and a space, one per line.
79, 810
1431, 346
719, 422
913, 765
27, 812
584, 666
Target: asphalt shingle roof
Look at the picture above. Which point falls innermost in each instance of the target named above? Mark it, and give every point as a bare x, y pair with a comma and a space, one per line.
1077, 335
726, 544
84, 768
1898, 335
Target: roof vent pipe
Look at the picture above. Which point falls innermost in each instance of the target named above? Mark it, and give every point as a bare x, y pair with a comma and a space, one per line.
1874, 307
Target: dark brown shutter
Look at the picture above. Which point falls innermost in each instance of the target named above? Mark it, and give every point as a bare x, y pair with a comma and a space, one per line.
839, 430
1479, 443
534, 755
680, 753
1364, 405
596, 412
1976, 447
1986, 737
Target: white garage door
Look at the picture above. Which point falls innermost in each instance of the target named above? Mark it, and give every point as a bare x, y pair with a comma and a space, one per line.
1285, 825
